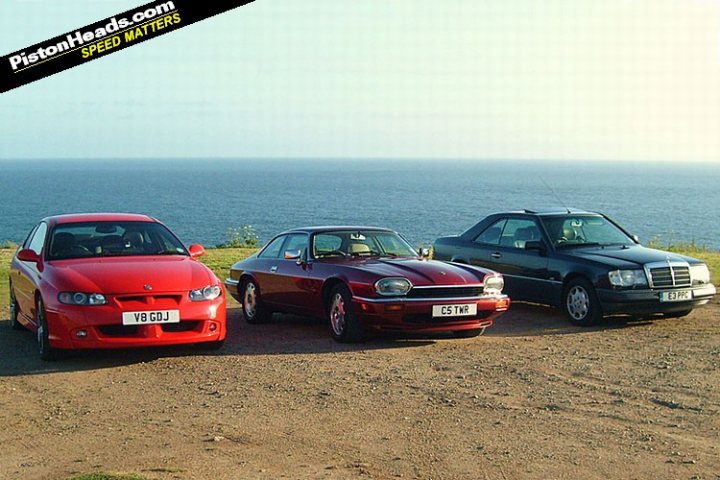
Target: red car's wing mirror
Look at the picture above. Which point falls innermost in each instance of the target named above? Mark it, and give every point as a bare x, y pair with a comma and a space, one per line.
27, 255
196, 250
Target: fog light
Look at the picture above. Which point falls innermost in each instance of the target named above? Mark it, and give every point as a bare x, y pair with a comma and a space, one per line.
213, 326
81, 333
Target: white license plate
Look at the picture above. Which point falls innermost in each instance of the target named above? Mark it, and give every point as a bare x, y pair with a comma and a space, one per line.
151, 316
464, 310
676, 296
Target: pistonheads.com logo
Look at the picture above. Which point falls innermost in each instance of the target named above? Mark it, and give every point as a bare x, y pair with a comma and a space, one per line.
73, 41
105, 37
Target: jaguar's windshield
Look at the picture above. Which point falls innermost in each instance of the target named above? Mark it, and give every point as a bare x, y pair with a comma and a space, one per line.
107, 239
360, 243
584, 230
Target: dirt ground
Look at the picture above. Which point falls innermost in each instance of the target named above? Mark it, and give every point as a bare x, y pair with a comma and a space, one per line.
534, 399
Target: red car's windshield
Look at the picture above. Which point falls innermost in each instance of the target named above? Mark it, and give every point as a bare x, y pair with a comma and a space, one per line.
105, 239
359, 243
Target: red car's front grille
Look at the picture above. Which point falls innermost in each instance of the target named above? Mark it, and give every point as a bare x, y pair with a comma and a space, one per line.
134, 330
445, 292
119, 330
180, 327
141, 302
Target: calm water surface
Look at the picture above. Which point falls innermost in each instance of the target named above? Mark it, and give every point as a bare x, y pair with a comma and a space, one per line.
201, 199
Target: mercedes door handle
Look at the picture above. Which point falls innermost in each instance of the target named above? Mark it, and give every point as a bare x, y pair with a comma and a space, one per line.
496, 255
273, 269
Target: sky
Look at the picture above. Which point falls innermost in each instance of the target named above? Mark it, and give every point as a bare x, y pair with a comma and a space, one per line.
476, 79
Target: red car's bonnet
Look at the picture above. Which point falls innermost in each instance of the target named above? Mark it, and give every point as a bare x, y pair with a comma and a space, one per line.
419, 272
122, 275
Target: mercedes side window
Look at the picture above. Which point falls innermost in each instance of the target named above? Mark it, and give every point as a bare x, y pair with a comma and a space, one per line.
273, 248
491, 235
38, 239
519, 231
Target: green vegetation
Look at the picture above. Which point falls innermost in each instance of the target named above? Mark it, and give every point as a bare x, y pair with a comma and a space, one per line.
221, 259
242, 237
5, 256
107, 476
685, 248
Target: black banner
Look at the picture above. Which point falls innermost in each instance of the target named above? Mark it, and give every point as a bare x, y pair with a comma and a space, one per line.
105, 37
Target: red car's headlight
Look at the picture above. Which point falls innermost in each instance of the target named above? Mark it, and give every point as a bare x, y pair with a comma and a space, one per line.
81, 298
211, 292
392, 286
494, 283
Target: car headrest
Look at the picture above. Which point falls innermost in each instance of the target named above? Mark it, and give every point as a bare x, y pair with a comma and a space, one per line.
358, 248
62, 241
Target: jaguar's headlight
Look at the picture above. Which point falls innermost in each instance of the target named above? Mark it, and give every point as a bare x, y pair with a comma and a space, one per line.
81, 298
211, 292
699, 274
627, 278
393, 286
494, 283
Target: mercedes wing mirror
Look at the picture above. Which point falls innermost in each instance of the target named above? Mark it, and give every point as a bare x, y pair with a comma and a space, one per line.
536, 245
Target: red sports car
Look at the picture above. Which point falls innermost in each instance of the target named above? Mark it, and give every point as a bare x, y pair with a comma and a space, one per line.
365, 278
113, 281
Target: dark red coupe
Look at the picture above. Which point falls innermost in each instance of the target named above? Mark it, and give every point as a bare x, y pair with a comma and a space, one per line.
112, 281
365, 278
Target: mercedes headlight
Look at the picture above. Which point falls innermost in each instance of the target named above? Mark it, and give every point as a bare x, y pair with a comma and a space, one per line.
81, 298
699, 274
628, 278
494, 283
211, 292
393, 286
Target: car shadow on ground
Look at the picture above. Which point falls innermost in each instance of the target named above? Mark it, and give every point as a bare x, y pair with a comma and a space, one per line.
281, 335
530, 319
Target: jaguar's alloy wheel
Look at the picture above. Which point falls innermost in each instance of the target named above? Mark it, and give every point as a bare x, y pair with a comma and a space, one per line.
253, 309
344, 325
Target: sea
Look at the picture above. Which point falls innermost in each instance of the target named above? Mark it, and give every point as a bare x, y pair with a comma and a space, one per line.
202, 199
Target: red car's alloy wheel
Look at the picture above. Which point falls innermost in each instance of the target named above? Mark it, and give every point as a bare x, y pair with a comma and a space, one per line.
43, 334
337, 314
253, 309
14, 311
344, 326
250, 300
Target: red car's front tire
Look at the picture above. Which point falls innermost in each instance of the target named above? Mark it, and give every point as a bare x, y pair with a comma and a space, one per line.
47, 352
344, 325
252, 307
14, 311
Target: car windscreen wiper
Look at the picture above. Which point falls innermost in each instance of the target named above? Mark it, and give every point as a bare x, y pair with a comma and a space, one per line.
584, 244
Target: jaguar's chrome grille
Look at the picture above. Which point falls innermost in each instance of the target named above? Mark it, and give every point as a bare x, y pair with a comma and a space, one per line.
669, 274
460, 291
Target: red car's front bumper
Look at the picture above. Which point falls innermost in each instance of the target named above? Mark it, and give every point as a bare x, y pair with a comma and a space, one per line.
90, 327
401, 315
